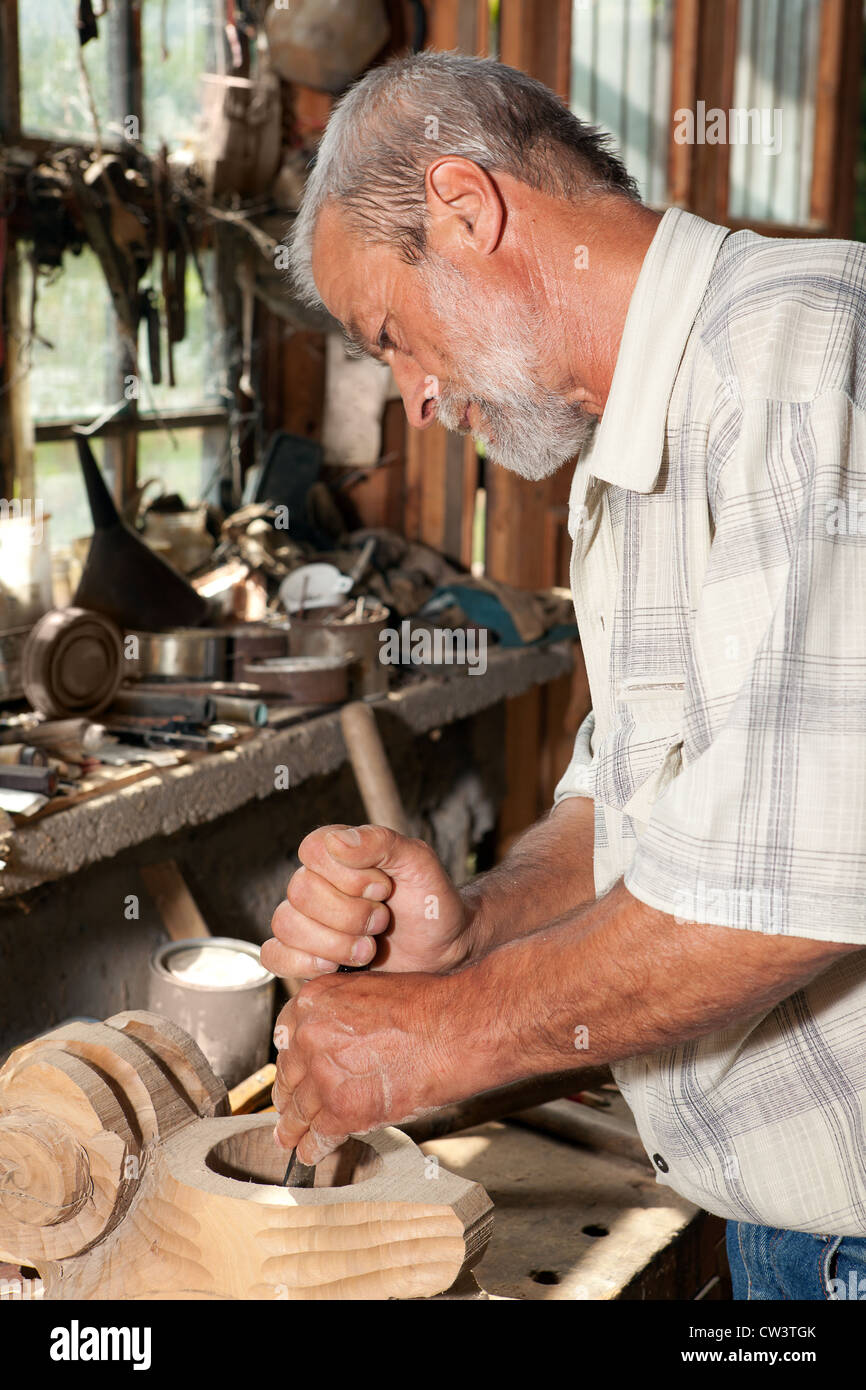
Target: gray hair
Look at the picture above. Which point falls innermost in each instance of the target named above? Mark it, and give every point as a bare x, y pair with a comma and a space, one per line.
399, 117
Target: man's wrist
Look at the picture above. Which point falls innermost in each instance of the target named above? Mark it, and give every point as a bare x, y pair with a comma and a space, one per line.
490, 1030
478, 933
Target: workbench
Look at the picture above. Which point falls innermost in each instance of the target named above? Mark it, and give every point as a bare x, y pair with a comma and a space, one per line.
206, 787
574, 1223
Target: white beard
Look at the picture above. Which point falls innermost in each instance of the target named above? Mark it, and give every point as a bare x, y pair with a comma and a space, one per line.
527, 428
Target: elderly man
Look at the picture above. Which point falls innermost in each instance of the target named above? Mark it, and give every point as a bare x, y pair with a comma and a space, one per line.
693, 909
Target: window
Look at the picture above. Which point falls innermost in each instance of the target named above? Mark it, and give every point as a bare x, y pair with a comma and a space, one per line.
146, 65
745, 113
621, 80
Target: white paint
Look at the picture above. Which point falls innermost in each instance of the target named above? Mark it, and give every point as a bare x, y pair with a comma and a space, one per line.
215, 967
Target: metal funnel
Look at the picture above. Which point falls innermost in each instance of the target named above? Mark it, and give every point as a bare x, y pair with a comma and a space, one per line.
123, 578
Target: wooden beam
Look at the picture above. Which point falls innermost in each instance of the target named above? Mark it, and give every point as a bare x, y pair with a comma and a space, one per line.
714, 85
684, 70
849, 120
537, 38
204, 419
10, 91
16, 426
251, 1094
442, 469
837, 107
174, 902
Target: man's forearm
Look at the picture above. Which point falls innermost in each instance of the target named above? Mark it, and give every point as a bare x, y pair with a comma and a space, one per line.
546, 873
615, 980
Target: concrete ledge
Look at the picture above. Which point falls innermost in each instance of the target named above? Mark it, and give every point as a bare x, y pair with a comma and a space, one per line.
215, 784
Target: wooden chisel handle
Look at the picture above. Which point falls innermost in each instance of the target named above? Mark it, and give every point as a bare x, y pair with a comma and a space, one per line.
371, 768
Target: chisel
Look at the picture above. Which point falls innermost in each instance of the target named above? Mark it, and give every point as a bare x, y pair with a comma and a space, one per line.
304, 1174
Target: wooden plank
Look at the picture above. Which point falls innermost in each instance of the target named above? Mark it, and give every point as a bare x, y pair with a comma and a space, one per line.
437, 488
377, 497
175, 903
550, 1198
522, 804
303, 384
522, 516
717, 47
849, 120
16, 424
830, 65
537, 38
206, 418
250, 1094
98, 782
565, 704
684, 71
10, 93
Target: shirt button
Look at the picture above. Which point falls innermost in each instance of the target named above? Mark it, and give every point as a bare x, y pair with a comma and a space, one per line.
660, 1163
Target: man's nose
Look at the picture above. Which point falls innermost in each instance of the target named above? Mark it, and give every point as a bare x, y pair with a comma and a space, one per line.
416, 387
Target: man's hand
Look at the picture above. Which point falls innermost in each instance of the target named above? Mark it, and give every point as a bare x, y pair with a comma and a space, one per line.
365, 891
360, 1051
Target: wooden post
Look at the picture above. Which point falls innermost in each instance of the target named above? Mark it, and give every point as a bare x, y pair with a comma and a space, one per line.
527, 543
442, 474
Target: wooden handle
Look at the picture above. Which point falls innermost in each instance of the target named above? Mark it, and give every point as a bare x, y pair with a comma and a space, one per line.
371, 767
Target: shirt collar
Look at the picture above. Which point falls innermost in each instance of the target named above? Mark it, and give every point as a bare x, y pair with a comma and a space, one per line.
626, 448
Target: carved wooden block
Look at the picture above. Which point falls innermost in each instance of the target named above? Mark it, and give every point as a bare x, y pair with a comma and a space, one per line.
122, 1175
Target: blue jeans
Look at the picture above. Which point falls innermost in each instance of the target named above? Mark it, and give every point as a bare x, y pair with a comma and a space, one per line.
768, 1263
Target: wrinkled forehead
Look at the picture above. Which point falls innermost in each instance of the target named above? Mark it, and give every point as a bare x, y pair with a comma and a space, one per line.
352, 275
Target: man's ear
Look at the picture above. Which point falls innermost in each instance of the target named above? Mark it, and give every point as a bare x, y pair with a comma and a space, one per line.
465, 207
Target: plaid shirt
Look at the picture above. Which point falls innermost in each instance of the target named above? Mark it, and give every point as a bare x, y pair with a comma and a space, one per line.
719, 581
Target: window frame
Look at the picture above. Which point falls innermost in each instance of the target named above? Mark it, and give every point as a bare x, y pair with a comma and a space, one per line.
121, 432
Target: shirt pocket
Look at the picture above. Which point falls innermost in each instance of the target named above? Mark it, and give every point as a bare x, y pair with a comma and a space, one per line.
643, 751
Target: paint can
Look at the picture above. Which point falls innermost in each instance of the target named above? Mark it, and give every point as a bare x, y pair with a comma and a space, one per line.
217, 990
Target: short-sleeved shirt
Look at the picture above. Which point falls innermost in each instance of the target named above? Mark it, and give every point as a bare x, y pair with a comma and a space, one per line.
719, 581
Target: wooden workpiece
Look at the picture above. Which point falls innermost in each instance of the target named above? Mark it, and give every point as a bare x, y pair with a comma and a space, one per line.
124, 1177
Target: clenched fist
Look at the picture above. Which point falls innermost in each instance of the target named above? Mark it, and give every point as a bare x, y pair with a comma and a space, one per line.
365, 891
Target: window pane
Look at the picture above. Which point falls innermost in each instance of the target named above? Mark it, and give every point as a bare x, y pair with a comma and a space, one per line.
171, 78
621, 80
53, 96
198, 359
73, 312
60, 489
187, 465
775, 83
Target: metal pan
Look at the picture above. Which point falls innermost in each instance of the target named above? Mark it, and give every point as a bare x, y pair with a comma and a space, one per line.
184, 653
304, 680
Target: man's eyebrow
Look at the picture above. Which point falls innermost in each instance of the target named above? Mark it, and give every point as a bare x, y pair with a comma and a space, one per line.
357, 343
